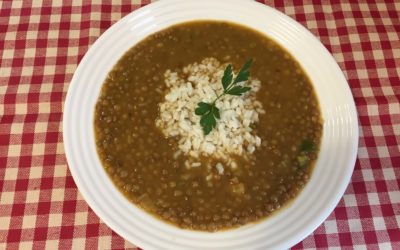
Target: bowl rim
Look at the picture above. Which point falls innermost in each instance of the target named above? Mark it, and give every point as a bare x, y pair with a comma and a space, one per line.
139, 16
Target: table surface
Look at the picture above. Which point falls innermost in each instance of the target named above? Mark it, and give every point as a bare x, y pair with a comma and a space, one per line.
40, 48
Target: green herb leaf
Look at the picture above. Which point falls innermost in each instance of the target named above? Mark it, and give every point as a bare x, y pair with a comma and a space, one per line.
238, 90
208, 122
307, 145
215, 112
202, 108
242, 77
247, 65
244, 72
208, 111
227, 78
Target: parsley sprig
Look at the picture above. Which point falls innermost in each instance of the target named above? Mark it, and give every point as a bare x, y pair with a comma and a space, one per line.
208, 111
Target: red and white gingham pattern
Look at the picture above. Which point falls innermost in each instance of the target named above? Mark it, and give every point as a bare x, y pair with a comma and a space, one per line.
41, 45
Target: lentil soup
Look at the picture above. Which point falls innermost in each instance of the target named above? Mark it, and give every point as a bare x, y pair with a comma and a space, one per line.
261, 161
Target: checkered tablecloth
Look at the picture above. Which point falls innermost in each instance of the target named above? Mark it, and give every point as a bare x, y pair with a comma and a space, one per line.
41, 44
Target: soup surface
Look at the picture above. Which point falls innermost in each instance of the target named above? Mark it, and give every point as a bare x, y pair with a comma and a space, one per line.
193, 191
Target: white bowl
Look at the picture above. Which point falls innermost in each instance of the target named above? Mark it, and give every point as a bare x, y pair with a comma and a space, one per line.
283, 230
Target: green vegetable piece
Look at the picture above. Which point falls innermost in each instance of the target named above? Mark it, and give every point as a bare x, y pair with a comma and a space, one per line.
307, 145
303, 160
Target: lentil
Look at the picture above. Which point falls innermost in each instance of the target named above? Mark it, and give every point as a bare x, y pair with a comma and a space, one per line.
146, 167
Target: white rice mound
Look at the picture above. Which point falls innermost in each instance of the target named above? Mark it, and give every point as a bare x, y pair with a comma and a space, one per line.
233, 135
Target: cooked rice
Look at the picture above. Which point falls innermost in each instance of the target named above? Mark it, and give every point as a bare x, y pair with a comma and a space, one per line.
233, 134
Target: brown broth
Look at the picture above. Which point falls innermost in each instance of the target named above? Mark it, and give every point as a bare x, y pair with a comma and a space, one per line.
139, 159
